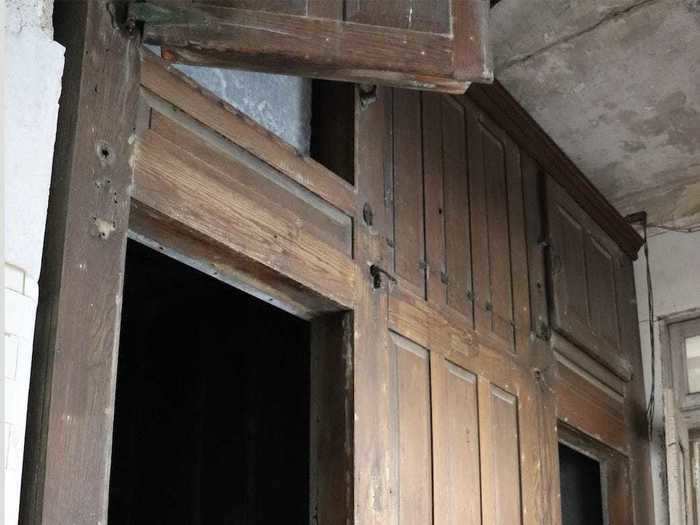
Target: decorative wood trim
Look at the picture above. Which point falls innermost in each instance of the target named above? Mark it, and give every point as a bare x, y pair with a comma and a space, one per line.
71, 407
495, 101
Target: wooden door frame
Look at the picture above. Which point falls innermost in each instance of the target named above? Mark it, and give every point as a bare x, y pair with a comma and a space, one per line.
91, 215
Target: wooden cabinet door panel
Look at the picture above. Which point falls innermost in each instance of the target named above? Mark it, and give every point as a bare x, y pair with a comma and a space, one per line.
455, 443
489, 150
413, 431
439, 45
584, 265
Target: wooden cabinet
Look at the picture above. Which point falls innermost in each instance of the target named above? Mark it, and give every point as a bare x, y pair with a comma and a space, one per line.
584, 266
432, 258
440, 44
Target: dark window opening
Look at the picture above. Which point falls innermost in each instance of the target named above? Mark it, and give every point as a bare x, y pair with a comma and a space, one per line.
212, 402
333, 127
581, 488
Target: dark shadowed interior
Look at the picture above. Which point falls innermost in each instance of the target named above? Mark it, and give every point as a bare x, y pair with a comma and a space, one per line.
212, 406
581, 490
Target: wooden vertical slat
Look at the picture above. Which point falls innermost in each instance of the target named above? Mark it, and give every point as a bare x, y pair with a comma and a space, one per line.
375, 449
330, 447
487, 452
479, 225
534, 211
500, 455
71, 407
374, 163
518, 271
433, 173
498, 255
458, 252
408, 190
412, 385
456, 484
506, 447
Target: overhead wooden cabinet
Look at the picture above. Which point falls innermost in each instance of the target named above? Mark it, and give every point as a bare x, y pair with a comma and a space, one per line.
584, 271
437, 44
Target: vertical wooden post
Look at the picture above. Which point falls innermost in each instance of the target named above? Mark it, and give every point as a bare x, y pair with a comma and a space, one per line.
71, 405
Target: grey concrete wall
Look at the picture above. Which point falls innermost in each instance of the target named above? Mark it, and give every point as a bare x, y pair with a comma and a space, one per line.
30, 109
281, 103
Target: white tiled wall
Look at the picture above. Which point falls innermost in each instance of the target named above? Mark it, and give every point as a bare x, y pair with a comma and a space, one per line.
32, 83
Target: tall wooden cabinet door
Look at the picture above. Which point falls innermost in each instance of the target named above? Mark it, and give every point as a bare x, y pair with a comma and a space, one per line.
499, 257
437, 44
583, 267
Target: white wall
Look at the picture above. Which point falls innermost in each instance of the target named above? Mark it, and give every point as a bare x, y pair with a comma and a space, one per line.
675, 269
32, 83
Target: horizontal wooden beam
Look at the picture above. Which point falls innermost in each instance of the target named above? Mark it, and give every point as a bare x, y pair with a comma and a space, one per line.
212, 35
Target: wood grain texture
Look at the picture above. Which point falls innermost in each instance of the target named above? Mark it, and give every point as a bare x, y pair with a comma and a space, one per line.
434, 199
231, 206
381, 42
71, 405
172, 86
411, 381
409, 234
456, 444
495, 101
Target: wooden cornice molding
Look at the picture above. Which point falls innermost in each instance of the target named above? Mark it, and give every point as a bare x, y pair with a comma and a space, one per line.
500, 105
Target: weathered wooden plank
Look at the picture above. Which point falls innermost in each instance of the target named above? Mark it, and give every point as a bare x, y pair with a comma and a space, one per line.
519, 274
409, 235
71, 406
172, 86
588, 408
429, 17
221, 206
330, 48
433, 177
635, 400
376, 483
311, 213
457, 210
500, 281
331, 419
456, 443
413, 412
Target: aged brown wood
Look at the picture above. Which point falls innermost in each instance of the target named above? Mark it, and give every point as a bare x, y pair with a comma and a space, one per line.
177, 89
411, 388
409, 240
455, 443
583, 264
68, 443
522, 128
434, 199
331, 414
438, 418
440, 45
235, 205
458, 252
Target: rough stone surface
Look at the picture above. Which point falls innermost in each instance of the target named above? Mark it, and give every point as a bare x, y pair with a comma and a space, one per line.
617, 86
280, 103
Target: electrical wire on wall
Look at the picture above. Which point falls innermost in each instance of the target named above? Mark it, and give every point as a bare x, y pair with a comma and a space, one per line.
641, 218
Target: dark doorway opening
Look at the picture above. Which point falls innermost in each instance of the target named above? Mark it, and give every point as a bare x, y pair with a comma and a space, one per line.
212, 421
581, 488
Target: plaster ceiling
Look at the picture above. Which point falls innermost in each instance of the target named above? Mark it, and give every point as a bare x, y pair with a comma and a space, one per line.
616, 83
